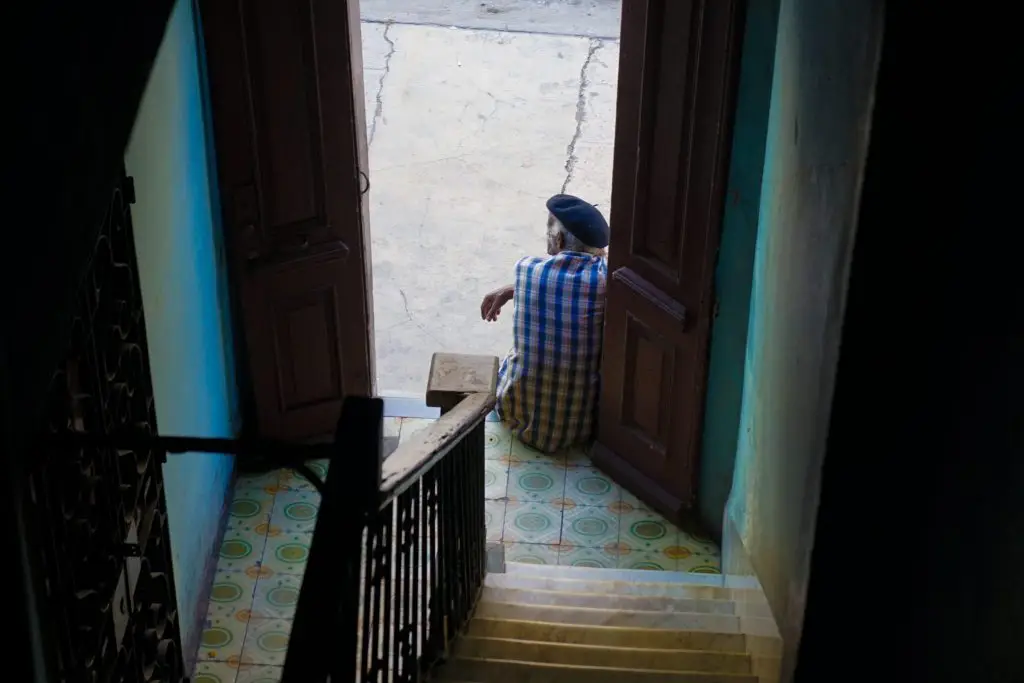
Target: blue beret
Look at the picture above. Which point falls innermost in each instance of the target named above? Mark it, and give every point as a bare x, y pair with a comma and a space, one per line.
580, 218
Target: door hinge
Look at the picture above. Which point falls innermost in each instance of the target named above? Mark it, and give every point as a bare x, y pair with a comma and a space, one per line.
128, 188
714, 309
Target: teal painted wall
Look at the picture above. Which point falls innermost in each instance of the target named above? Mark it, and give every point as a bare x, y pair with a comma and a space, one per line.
825, 64
183, 293
735, 269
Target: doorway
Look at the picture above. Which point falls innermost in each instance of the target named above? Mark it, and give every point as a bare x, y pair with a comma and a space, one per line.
475, 115
292, 126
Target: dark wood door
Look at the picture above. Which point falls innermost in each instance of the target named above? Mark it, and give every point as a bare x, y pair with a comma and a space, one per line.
286, 88
676, 82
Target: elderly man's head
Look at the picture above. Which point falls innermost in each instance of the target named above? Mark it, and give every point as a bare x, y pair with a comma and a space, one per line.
575, 225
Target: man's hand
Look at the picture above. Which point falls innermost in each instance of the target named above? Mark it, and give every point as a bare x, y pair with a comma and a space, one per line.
492, 303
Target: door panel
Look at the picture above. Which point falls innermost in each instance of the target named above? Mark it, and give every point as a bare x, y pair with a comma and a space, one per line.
286, 93
676, 76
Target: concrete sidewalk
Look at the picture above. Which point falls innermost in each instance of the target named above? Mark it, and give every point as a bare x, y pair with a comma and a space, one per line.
470, 132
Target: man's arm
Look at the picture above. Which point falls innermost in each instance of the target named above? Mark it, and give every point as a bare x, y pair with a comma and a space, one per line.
492, 303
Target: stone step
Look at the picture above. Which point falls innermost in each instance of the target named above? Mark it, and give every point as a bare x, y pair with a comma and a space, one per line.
610, 601
606, 636
601, 586
619, 575
512, 671
633, 658
592, 616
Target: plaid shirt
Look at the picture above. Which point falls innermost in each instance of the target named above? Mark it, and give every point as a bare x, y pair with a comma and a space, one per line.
548, 382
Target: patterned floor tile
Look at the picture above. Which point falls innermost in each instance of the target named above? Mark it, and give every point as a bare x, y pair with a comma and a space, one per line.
250, 506
590, 486
647, 559
495, 479
532, 523
641, 530
293, 481
276, 597
589, 527
531, 553
215, 672
493, 417
700, 564
411, 425
576, 457
222, 638
494, 513
497, 441
250, 673
268, 481
232, 592
287, 553
295, 511
266, 641
698, 544
535, 481
241, 549
520, 452
598, 558
631, 502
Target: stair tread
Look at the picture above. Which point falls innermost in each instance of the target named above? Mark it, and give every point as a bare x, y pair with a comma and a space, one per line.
509, 626
566, 598
615, 610
627, 575
452, 665
605, 586
547, 643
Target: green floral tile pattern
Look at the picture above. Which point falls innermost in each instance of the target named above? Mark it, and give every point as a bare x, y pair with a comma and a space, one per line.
494, 515
531, 553
589, 527
296, 511
532, 523
590, 486
545, 508
276, 597
596, 558
640, 530
495, 479
535, 482
287, 553
266, 641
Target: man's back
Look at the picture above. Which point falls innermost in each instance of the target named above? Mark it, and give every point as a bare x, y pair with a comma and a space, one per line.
548, 384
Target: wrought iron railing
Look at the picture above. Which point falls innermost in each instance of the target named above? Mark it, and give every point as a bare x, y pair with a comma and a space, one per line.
398, 555
99, 514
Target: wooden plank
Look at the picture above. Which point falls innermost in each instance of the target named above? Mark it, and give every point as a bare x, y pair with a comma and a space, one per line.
429, 445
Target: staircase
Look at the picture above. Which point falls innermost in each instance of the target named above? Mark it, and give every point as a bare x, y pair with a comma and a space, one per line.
544, 624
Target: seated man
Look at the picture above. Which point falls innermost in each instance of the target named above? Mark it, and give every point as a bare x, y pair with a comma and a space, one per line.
548, 382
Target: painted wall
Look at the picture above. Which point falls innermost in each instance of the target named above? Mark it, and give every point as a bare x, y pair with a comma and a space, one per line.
184, 303
825, 64
735, 269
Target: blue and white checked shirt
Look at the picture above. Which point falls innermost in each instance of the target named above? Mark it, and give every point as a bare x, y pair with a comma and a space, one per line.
548, 383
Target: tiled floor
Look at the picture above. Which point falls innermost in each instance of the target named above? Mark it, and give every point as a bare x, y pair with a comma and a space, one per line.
544, 509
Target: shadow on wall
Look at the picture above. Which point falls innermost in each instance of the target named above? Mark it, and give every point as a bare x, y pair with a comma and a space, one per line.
180, 274
735, 269
826, 60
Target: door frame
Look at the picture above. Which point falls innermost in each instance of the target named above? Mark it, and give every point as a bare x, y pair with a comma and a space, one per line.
361, 334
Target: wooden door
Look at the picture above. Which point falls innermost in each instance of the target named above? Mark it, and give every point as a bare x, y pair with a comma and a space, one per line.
285, 81
676, 81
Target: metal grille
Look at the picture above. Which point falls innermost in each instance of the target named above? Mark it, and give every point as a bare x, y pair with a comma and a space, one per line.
101, 513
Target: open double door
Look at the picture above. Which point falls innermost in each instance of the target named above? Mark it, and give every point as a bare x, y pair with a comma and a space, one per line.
285, 81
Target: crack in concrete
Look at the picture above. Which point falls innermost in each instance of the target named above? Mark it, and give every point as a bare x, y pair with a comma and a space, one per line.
408, 313
581, 113
378, 110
